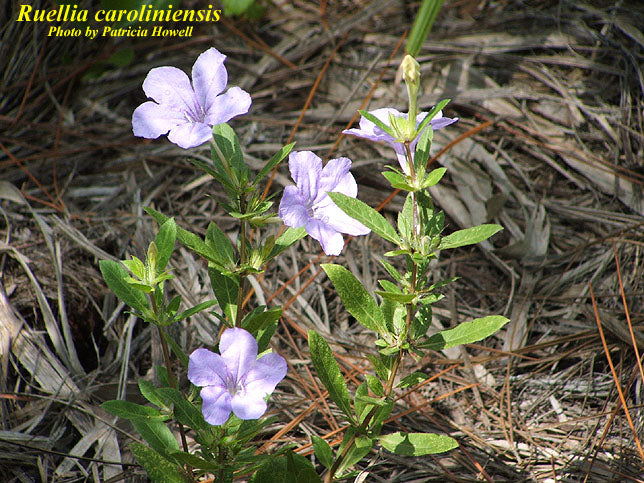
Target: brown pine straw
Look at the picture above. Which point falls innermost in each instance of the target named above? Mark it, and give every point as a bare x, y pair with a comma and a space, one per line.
612, 369
626, 311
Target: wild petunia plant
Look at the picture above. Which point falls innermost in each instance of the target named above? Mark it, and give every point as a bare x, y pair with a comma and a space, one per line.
218, 417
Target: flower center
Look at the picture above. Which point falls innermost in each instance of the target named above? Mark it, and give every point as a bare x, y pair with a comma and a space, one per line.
233, 386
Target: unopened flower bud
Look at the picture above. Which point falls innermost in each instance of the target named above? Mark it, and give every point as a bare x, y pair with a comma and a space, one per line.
411, 71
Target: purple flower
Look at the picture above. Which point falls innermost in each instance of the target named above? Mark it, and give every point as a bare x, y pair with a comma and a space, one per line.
236, 380
307, 203
369, 130
185, 111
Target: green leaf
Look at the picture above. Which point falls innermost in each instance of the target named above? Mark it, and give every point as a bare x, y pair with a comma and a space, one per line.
164, 242
432, 113
403, 298
366, 215
468, 236
375, 385
398, 181
132, 411
329, 372
323, 451
178, 352
157, 435
412, 379
421, 156
422, 25
274, 161
288, 238
259, 318
360, 405
288, 468
194, 310
433, 177
226, 288
465, 333
217, 174
370, 117
227, 142
152, 394
194, 461
416, 444
115, 276
184, 411
359, 450
217, 240
158, 468
406, 219
136, 266
191, 241
264, 335
355, 298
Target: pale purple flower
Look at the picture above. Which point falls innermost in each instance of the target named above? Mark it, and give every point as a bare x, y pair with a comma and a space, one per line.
307, 204
187, 111
236, 380
368, 130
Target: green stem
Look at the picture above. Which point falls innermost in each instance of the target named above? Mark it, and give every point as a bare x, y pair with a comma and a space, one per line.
168, 366
242, 262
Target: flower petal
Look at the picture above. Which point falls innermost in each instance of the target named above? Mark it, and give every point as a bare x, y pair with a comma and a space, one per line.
343, 223
305, 170
368, 130
267, 372
190, 134
331, 241
439, 121
205, 368
223, 108
171, 88
336, 177
247, 405
209, 77
239, 350
293, 210
216, 404
151, 120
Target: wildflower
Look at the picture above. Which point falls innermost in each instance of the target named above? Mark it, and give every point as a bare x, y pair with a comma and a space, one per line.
185, 111
307, 203
235, 380
368, 130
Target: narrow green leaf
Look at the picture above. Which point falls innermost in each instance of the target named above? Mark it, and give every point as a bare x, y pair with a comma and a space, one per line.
177, 351
132, 411
226, 288
366, 215
468, 236
184, 411
370, 117
136, 266
323, 451
228, 143
412, 379
164, 242
115, 276
359, 450
416, 444
194, 310
190, 240
274, 161
397, 181
432, 113
259, 318
288, 238
433, 177
219, 242
157, 435
158, 468
375, 385
355, 298
151, 393
421, 156
329, 372
194, 461
422, 25
220, 176
465, 333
